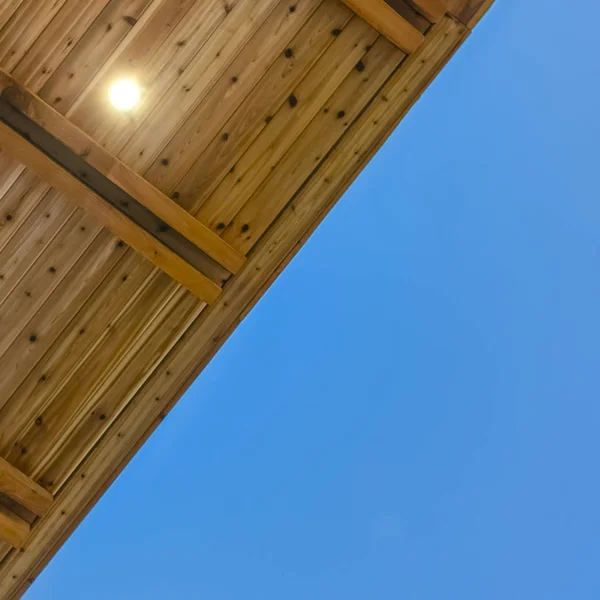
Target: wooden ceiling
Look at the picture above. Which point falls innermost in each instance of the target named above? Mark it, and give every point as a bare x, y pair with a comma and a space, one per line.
133, 243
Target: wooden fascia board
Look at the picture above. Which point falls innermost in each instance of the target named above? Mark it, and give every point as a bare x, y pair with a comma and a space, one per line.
120, 174
382, 17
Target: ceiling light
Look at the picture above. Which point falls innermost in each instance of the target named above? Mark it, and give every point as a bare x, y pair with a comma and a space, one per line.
125, 94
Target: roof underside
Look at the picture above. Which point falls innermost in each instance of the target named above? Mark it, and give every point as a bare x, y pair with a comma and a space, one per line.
255, 118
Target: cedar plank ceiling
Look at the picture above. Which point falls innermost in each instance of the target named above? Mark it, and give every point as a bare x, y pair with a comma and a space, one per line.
256, 116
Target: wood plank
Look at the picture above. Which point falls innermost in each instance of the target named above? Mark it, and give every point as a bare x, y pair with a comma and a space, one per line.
143, 242
13, 529
388, 22
25, 491
434, 10
120, 174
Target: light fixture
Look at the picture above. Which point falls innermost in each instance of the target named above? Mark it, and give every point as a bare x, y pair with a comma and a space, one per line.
125, 94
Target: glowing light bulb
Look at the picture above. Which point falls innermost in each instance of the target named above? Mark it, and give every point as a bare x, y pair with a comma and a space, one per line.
125, 94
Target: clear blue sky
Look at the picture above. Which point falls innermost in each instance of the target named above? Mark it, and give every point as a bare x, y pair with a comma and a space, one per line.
412, 412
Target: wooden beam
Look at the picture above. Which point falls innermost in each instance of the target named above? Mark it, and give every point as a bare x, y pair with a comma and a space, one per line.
120, 174
22, 489
382, 17
13, 529
433, 10
75, 190
176, 217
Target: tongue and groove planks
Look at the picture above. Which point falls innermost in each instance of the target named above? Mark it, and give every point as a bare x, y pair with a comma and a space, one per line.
103, 370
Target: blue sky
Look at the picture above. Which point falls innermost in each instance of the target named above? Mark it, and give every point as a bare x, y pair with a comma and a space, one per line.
412, 410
